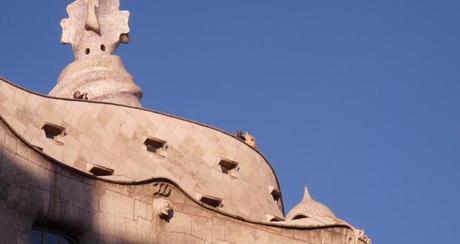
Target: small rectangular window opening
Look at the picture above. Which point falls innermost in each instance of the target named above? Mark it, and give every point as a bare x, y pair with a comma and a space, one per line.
98, 170
154, 145
211, 201
228, 165
52, 130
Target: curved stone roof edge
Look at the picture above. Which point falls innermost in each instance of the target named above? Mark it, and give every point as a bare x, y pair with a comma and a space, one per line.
156, 179
147, 110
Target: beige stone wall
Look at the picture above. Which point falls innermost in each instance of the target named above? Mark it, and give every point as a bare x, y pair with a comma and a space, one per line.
35, 190
113, 136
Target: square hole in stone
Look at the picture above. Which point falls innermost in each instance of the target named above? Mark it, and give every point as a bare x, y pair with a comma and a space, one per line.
98, 170
211, 201
52, 130
228, 165
155, 145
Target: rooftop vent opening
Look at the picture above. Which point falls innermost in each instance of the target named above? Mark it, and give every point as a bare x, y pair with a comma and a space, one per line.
276, 194
272, 218
155, 145
52, 131
98, 170
299, 216
228, 165
211, 201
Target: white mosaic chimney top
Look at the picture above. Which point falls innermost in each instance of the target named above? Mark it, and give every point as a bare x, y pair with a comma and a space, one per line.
94, 29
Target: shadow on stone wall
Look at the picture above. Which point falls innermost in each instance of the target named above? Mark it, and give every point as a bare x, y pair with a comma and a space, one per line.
36, 192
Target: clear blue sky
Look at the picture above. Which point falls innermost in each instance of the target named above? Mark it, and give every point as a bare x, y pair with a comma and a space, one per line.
359, 99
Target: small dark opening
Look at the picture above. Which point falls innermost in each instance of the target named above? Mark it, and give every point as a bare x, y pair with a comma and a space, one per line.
103, 47
154, 144
276, 219
98, 170
228, 165
276, 194
211, 201
299, 216
87, 51
52, 130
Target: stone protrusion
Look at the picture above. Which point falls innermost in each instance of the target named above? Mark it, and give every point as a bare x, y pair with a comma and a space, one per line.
163, 208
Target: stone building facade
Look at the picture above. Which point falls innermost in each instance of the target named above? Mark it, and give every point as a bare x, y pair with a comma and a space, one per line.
88, 164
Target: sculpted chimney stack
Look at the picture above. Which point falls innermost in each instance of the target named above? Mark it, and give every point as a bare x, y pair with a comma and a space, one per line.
94, 29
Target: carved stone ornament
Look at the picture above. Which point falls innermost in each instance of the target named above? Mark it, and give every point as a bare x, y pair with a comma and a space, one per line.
94, 29
162, 189
95, 22
358, 237
250, 140
163, 208
362, 237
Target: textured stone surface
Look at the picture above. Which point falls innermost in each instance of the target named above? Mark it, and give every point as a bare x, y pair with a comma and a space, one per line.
309, 208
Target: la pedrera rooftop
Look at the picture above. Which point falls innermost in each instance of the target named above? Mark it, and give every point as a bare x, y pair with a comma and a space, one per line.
88, 164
